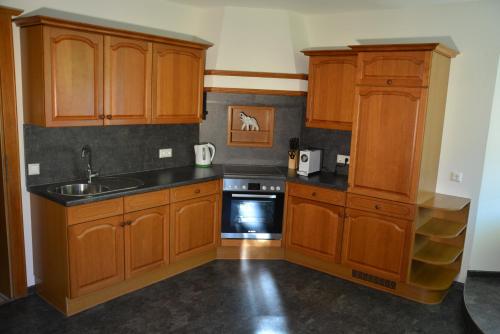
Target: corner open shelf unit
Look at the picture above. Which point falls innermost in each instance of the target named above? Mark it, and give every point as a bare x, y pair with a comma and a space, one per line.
439, 243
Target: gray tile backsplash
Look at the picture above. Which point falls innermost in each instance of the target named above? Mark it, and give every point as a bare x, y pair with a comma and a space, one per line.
115, 149
124, 149
288, 120
290, 114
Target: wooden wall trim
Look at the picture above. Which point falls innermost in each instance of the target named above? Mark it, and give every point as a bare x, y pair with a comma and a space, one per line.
9, 143
255, 91
250, 74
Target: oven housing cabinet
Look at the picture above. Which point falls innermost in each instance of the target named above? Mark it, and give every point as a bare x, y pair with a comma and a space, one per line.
252, 215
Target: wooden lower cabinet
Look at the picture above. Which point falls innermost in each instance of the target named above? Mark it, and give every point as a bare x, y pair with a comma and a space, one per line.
314, 228
194, 226
146, 240
376, 244
96, 255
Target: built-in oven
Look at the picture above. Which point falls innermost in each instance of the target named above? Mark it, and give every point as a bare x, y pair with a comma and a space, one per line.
252, 209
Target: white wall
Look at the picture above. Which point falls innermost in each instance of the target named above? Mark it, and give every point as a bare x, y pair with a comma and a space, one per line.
474, 29
486, 246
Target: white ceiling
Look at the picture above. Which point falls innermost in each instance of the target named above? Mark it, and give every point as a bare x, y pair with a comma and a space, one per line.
318, 6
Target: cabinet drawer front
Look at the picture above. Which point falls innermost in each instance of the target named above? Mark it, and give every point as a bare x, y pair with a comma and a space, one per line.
394, 68
389, 208
194, 191
317, 193
146, 201
93, 211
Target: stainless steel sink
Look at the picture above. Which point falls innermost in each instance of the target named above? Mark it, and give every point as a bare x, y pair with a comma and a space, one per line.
79, 189
99, 185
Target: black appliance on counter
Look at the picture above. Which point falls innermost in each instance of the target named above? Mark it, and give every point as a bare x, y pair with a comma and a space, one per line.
253, 201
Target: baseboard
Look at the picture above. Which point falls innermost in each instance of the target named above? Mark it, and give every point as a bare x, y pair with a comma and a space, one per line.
483, 273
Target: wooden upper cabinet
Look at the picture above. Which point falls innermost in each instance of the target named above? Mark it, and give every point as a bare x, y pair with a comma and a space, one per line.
127, 81
376, 244
330, 99
386, 145
146, 240
410, 69
194, 226
77, 74
314, 228
96, 258
73, 71
178, 74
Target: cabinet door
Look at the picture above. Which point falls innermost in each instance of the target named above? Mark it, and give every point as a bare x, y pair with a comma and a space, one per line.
314, 228
331, 92
194, 226
177, 84
95, 255
73, 66
127, 81
376, 244
146, 240
386, 142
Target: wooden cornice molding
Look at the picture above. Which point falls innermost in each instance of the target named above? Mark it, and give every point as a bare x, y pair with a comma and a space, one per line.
255, 91
251, 74
26, 21
437, 47
10, 11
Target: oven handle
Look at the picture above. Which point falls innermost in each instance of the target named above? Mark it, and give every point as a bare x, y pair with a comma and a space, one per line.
252, 196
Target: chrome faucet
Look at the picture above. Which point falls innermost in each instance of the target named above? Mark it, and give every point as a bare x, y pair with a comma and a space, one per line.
87, 152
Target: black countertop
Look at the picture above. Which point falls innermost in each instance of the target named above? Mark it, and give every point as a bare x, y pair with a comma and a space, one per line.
180, 176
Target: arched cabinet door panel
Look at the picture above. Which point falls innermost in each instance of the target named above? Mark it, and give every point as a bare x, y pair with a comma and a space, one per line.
146, 240
178, 74
194, 226
95, 255
386, 142
127, 81
376, 244
330, 96
73, 66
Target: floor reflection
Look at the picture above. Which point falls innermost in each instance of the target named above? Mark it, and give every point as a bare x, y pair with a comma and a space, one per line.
265, 300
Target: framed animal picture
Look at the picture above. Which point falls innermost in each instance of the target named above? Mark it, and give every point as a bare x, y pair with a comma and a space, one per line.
250, 126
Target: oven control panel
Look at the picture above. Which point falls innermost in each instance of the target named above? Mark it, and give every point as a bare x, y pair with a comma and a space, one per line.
254, 185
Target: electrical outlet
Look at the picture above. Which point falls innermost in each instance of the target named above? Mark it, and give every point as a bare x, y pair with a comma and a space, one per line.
457, 177
33, 169
165, 153
341, 159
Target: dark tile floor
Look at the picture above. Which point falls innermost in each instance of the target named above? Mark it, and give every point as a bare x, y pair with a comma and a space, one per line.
482, 300
244, 297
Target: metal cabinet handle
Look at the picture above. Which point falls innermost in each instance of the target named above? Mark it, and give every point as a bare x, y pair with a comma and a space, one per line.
378, 207
313, 193
197, 191
101, 116
389, 81
109, 116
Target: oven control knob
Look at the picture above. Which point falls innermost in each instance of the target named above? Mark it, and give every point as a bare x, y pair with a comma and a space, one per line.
229, 186
278, 188
243, 187
235, 187
272, 188
264, 188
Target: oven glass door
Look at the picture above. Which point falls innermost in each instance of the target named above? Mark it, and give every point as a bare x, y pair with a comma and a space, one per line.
252, 215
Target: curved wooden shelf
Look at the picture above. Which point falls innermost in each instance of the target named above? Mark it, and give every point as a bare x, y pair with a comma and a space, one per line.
437, 253
441, 228
445, 202
431, 277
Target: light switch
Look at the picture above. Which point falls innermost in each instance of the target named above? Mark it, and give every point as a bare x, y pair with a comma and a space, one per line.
457, 177
33, 169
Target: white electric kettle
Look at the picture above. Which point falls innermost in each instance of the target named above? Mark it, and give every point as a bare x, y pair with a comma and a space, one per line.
204, 154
